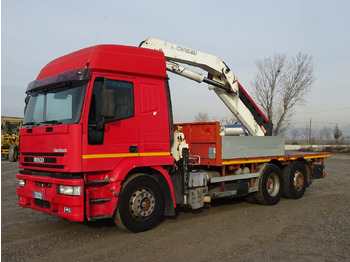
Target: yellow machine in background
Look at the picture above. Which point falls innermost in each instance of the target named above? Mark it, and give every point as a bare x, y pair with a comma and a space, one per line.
10, 137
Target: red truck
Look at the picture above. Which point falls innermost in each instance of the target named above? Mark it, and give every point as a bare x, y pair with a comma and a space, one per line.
98, 140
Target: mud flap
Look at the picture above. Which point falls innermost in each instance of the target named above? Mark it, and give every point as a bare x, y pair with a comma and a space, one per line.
318, 171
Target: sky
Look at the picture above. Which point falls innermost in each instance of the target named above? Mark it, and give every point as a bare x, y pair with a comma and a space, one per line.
240, 32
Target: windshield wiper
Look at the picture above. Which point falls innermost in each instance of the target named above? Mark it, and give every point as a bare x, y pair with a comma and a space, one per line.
30, 124
53, 122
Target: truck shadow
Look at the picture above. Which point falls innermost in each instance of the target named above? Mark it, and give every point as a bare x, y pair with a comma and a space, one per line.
101, 223
215, 203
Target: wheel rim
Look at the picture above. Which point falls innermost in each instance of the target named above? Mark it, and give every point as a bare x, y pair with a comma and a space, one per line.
142, 203
298, 180
273, 185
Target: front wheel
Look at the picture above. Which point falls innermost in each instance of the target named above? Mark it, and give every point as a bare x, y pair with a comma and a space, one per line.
140, 205
270, 186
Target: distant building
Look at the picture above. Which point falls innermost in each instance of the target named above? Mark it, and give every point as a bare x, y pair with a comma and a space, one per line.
8, 118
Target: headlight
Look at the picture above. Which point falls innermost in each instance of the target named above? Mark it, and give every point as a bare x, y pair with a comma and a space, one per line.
21, 182
69, 190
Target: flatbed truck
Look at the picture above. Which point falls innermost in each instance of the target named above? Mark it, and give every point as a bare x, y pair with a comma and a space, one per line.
98, 140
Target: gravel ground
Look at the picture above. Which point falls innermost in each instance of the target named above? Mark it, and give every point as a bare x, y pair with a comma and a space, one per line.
313, 228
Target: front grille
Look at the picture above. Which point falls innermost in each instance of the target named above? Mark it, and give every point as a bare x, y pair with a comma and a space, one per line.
43, 166
42, 154
45, 160
42, 160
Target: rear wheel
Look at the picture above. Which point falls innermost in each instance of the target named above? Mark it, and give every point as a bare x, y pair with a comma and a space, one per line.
13, 153
294, 177
140, 205
270, 186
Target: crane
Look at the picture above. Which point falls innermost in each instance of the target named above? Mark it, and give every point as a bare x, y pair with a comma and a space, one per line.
220, 79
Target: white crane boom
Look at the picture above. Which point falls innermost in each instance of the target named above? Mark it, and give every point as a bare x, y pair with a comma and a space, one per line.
220, 78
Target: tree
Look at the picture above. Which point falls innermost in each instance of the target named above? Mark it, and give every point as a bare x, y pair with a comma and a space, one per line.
230, 120
294, 134
305, 133
280, 84
201, 117
337, 133
325, 133
308, 134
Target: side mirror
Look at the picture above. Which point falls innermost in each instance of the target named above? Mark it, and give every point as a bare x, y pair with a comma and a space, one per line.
26, 101
108, 103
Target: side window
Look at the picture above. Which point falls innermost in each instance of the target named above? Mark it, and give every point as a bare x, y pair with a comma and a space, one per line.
124, 106
124, 98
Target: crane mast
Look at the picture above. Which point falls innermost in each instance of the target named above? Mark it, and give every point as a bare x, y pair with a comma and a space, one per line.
220, 79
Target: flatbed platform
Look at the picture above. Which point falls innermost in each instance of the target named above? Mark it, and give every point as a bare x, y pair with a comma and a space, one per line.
208, 147
288, 156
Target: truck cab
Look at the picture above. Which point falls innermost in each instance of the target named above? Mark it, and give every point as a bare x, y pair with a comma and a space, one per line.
93, 116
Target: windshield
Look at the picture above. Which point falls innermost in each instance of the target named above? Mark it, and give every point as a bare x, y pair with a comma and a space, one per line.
58, 105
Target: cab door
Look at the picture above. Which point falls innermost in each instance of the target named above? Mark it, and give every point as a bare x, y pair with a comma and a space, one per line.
109, 140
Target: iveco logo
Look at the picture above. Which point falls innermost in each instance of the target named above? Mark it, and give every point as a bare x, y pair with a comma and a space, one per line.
39, 160
60, 150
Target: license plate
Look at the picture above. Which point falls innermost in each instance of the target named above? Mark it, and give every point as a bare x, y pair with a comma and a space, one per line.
38, 195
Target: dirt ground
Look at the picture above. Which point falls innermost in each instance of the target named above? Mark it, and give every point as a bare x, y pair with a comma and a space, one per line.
314, 228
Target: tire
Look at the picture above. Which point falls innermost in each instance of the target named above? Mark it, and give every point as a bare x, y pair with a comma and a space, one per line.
140, 205
13, 153
270, 186
294, 176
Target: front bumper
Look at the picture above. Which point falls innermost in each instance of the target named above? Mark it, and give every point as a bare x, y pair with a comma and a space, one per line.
41, 193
